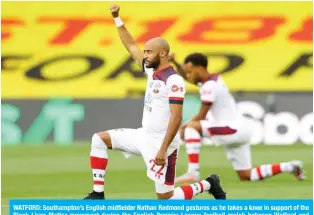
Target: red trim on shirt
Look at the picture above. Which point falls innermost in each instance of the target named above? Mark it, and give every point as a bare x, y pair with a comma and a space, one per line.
213, 77
161, 69
176, 98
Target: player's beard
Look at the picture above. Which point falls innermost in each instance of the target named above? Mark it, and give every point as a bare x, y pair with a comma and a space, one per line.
154, 63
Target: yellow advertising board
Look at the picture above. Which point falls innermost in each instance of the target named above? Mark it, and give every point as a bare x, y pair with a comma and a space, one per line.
61, 49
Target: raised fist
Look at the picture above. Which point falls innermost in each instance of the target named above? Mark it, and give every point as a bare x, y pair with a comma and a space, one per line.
114, 10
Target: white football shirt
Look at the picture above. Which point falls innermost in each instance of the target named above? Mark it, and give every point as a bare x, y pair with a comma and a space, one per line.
214, 91
163, 88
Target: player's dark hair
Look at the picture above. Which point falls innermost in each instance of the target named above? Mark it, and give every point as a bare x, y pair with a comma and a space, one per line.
197, 59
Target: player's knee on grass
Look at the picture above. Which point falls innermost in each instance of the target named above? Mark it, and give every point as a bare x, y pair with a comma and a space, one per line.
164, 191
196, 125
244, 175
105, 138
167, 195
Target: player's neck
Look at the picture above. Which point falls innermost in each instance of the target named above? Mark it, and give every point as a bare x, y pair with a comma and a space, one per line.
204, 76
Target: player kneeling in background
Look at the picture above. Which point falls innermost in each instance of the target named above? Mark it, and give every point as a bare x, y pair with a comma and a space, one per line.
219, 120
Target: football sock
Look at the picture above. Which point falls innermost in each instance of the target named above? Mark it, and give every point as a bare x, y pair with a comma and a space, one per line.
188, 191
193, 148
98, 162
267, 170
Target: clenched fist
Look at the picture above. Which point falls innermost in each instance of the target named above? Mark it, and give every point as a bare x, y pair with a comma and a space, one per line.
114, 10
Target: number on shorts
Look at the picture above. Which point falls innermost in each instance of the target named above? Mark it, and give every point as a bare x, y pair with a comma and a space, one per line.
157, 172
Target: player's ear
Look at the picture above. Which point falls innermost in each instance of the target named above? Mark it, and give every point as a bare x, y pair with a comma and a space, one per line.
163, 53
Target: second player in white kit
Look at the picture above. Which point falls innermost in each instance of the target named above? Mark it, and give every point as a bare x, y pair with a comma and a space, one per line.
219, 120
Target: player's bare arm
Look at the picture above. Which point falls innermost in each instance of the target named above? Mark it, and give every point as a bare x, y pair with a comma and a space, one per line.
202, 113
125, 36
200, 116
173, 127
178, 66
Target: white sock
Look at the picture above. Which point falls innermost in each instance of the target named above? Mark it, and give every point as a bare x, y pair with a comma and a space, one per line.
194, 168
98, 161
268, 170
286, 167
193, 149
188, 191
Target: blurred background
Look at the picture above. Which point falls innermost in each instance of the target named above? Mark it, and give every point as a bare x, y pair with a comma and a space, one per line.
66, 75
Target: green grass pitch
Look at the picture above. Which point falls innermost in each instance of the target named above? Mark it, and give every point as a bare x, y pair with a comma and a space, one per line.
62, 172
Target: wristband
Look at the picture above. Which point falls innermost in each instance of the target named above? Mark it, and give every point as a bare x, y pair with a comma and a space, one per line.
118, 21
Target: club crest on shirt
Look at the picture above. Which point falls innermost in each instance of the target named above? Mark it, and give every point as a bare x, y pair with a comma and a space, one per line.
174, 88
157, 86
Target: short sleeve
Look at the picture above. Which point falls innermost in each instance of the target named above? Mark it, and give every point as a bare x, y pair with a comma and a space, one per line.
208, 92
176, 89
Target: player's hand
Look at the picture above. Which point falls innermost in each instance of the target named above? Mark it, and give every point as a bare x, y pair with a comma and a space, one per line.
171, 56
160, 158
114, 10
